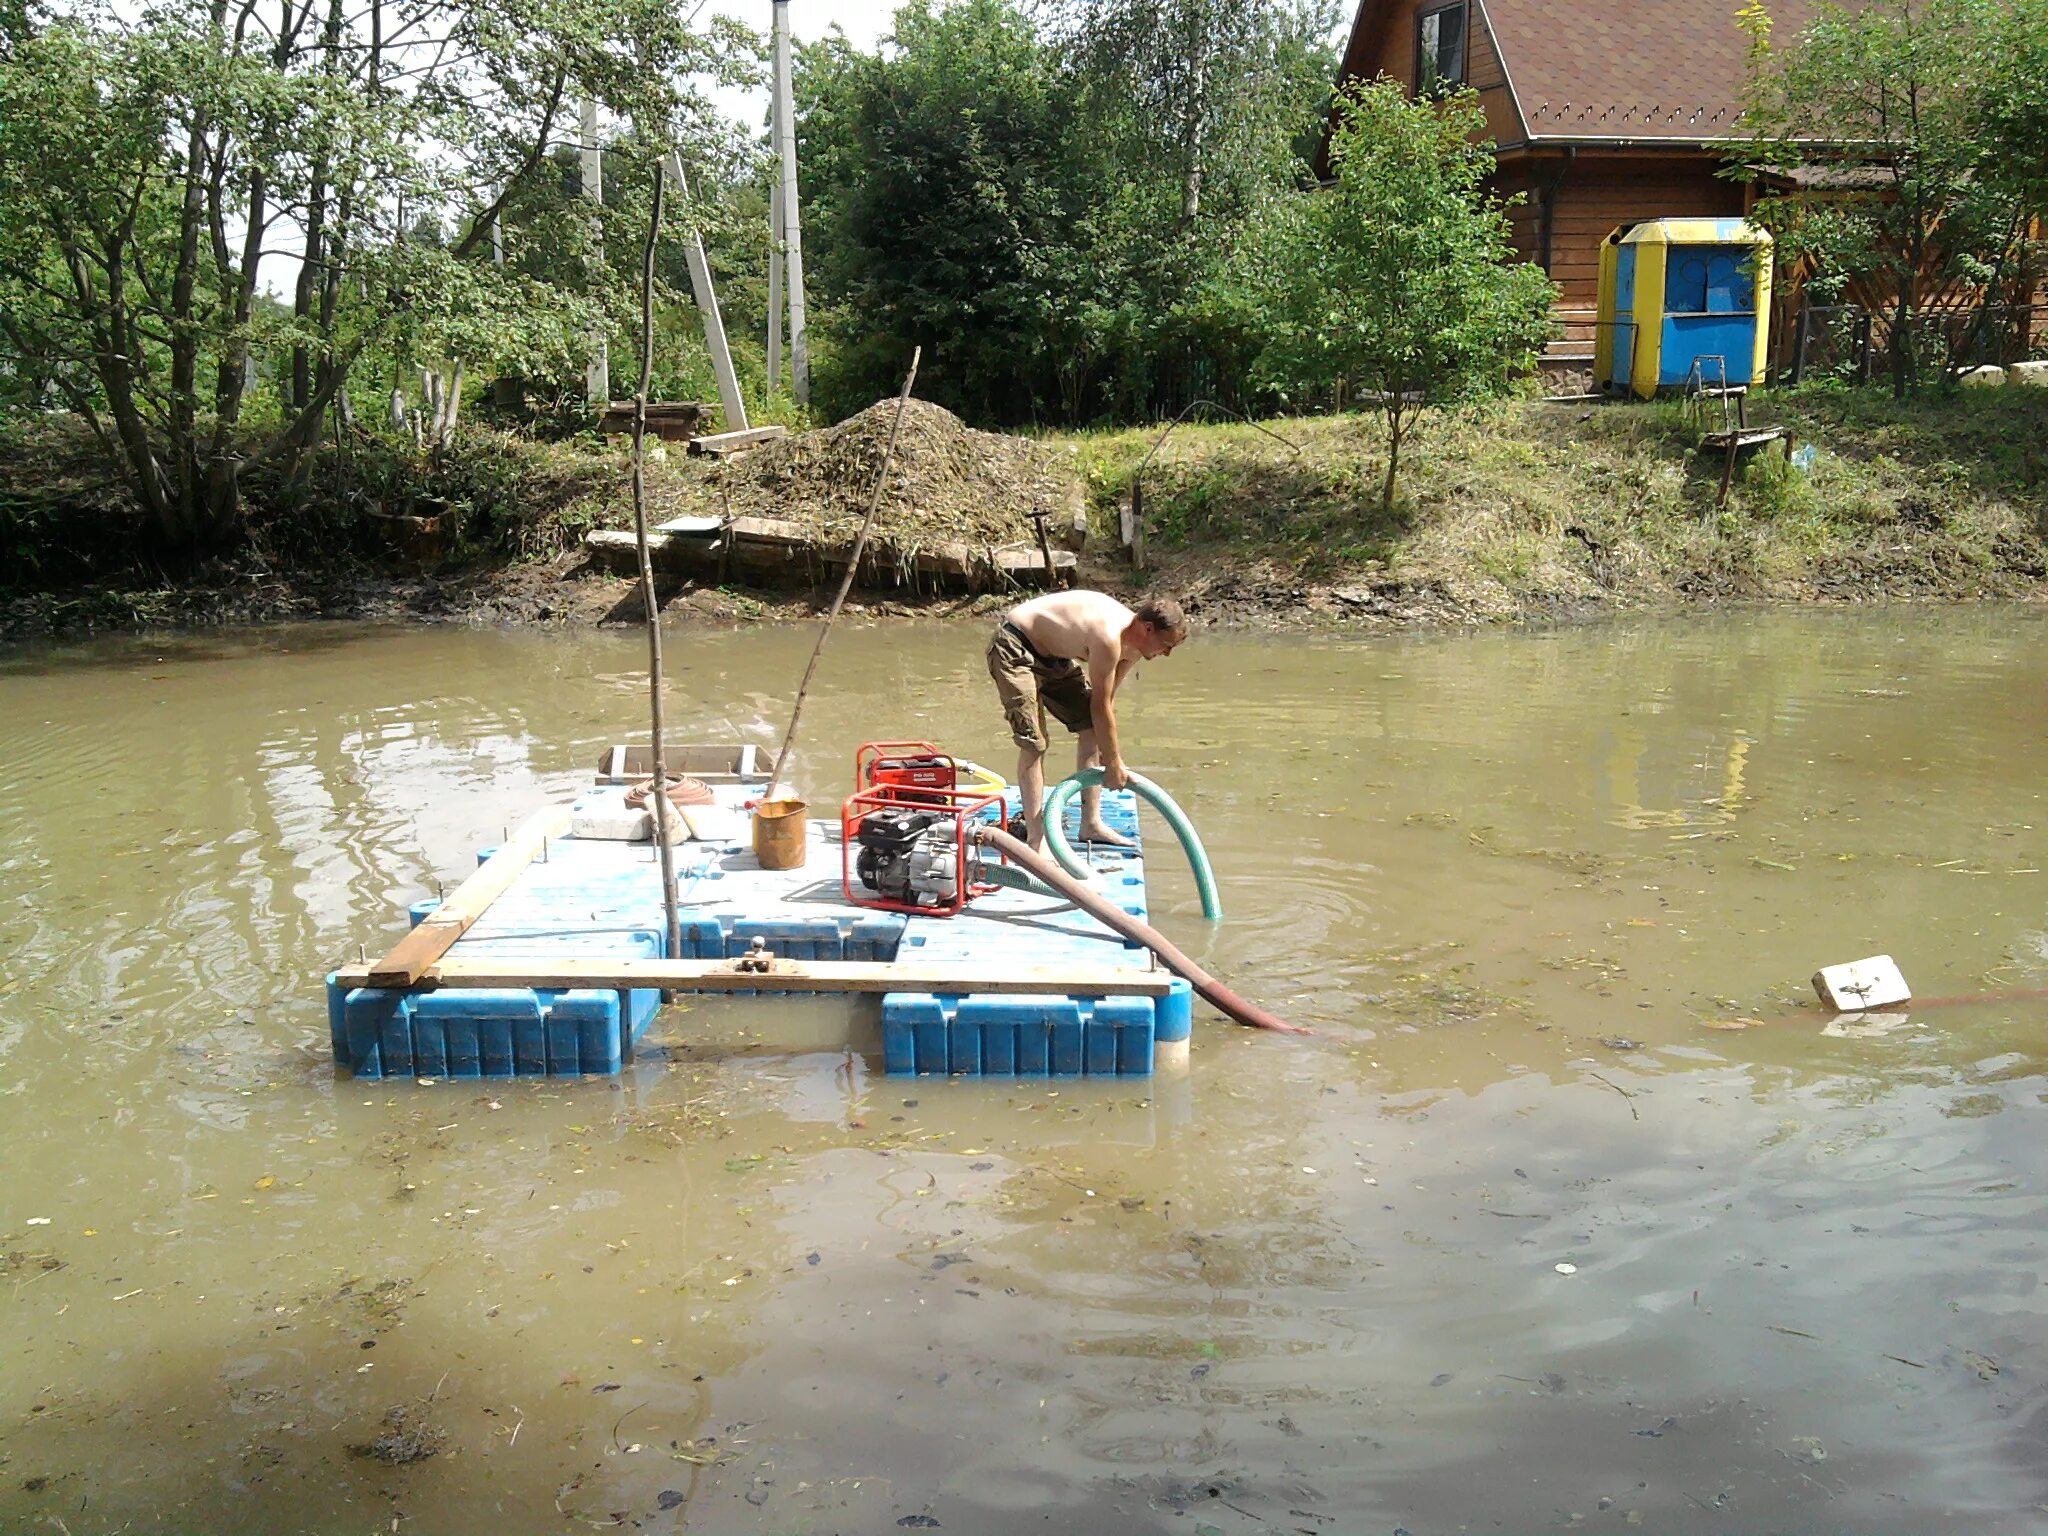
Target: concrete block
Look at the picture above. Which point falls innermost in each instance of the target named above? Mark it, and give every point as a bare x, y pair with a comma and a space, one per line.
1990, 376
2034, 373
1859, 984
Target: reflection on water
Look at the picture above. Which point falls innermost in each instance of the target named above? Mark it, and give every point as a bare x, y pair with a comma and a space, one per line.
1549, 899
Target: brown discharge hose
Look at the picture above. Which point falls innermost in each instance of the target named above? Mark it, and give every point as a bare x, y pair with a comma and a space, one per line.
1122, 922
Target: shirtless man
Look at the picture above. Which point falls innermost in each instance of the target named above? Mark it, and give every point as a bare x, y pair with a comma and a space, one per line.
1066, 654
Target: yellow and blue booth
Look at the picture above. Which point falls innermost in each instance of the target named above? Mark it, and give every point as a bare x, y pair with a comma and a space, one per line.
1680, 294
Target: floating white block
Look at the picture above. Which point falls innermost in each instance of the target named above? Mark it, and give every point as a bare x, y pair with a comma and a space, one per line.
1861, 984
2035, 373
1987, 377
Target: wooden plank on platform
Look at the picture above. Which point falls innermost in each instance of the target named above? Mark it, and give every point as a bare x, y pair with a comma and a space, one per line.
783, 976
413, 955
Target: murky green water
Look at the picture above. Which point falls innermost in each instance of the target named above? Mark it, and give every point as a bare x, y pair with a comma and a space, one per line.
1521, 883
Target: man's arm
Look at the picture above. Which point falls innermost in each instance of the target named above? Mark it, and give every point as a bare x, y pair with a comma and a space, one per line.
1107, 667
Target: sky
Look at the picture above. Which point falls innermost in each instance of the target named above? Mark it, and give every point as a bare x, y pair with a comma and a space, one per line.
863, 21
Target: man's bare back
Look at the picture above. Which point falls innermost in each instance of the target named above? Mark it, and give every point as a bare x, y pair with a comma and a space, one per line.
1077, 625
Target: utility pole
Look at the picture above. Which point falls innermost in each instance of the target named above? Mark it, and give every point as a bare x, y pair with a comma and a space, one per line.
597, 379
707, 305
774, 275
785, 144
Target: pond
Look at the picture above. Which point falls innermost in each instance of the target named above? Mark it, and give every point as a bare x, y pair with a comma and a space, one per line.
1577, 1211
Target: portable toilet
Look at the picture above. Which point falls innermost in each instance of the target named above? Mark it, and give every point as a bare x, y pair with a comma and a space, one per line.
1676, 294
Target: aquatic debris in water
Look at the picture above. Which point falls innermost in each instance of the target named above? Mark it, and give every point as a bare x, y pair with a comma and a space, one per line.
403, 1441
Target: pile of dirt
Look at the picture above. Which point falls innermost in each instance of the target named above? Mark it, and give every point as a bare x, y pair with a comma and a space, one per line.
947, 481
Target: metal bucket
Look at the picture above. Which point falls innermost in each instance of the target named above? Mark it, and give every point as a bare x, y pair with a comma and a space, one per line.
780, 828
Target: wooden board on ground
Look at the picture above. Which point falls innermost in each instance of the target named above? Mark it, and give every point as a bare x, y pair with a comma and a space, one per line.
782, 976
733, 442
775, 552
437, 932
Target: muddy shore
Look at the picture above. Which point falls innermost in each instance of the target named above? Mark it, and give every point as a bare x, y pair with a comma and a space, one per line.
1525, 512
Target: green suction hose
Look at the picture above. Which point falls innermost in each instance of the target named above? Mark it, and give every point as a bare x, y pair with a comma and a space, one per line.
1160, 800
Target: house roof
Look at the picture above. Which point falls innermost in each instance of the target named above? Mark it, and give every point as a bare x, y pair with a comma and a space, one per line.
1629, 69
1669, 70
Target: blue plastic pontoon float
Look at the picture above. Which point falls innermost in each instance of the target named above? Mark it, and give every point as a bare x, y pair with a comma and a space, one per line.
596, 898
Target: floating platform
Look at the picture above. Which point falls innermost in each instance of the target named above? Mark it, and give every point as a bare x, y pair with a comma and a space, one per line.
562, 969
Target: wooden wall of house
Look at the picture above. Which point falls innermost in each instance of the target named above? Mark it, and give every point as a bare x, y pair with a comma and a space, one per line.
1393, 53
1601, 189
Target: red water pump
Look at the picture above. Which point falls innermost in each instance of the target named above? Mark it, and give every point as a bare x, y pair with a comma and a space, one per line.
903, 843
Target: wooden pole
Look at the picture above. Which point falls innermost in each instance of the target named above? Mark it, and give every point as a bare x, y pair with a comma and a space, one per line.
658, 801
792, 224
860, 544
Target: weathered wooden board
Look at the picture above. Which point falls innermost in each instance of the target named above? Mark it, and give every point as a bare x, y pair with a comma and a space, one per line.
781, 976
732, 442
776, 552
414, 954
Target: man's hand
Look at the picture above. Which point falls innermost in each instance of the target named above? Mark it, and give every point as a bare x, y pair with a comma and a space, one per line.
1115, 775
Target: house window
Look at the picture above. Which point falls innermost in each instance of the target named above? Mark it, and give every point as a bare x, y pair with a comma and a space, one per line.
1440, 49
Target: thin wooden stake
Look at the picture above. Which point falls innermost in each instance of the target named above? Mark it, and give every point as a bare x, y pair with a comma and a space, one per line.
860, 544
658, 802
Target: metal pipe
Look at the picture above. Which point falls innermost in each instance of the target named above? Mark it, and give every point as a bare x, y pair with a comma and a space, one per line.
1120, 921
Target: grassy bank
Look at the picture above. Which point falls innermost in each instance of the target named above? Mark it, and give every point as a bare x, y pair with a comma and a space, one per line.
1530, 509
1516, 511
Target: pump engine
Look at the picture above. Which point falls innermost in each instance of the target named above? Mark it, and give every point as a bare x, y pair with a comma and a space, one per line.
904, 831
910, 857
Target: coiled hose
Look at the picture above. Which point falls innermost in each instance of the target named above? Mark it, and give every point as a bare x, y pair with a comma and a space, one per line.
1159, 800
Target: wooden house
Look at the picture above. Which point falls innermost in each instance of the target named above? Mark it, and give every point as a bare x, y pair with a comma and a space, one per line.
1604, 112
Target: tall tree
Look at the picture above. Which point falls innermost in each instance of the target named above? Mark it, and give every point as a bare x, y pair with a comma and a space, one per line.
151, 164
1401, 281
941, 192
1925, 125
1193, 117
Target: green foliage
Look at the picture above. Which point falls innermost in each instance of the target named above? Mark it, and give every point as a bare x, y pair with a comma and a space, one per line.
941, 205
152, 161
1399, 281
1903, 151
1014, 200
